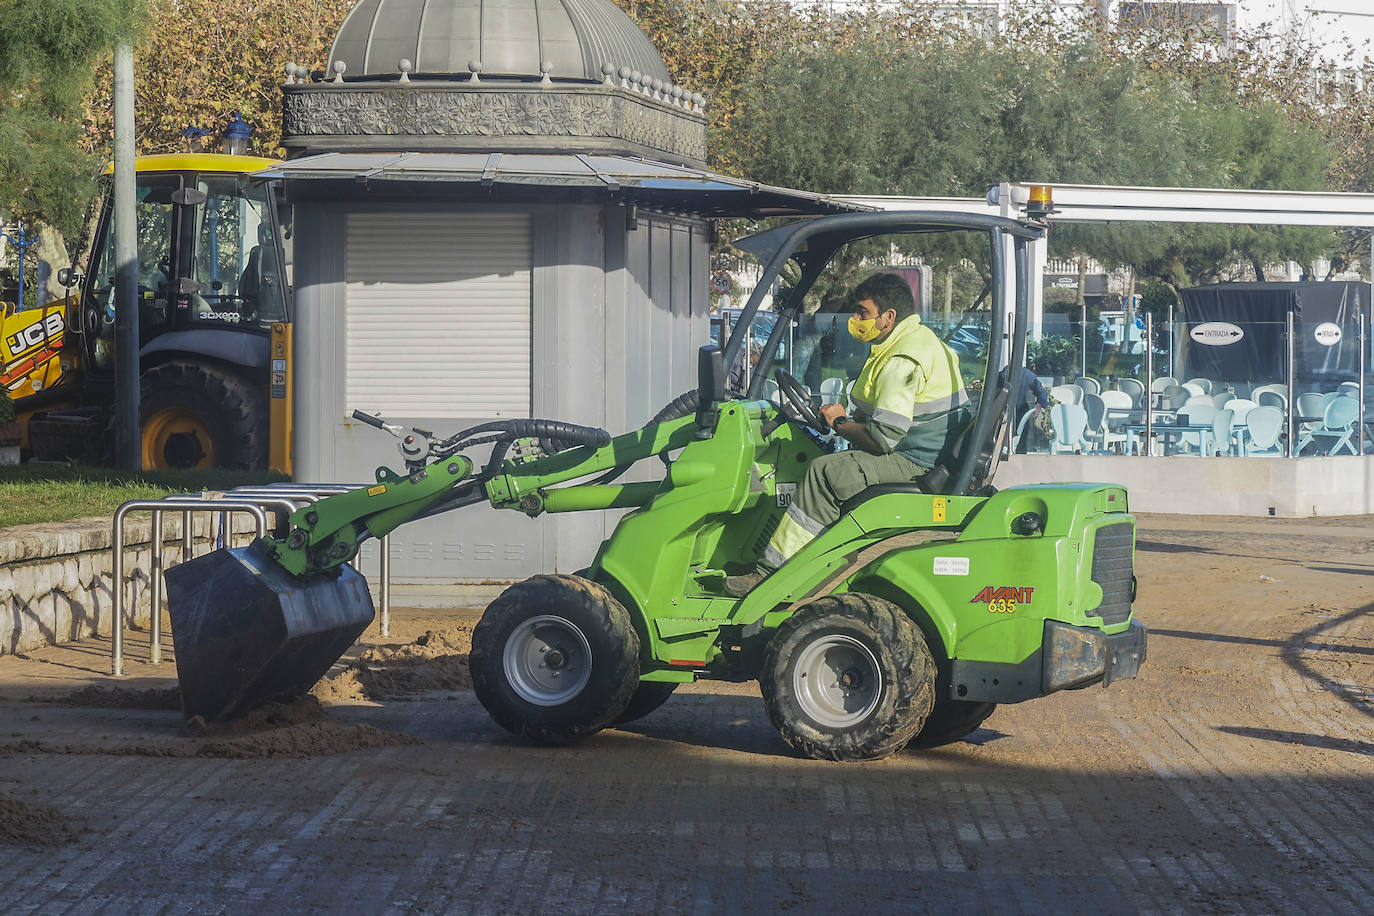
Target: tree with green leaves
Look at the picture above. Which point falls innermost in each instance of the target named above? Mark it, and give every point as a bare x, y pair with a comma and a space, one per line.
49, 50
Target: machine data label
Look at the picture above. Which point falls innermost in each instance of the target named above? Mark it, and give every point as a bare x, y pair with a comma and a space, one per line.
378, 490
786, 493
951, 566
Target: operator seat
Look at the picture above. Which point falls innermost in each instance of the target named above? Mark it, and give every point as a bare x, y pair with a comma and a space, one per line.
937, 481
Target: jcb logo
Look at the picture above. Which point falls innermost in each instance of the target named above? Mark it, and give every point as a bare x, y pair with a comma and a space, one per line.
36, 333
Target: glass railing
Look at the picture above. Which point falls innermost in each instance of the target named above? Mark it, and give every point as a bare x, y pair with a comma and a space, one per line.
1210, 389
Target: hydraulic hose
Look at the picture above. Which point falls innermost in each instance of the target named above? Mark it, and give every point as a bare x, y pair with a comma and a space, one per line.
681, 406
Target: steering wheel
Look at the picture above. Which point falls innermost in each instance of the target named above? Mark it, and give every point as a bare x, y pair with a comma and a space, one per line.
800, 403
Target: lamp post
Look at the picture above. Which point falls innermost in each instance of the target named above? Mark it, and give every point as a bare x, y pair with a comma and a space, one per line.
23, 241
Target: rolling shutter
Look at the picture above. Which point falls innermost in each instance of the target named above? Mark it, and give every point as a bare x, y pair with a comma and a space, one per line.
438, 314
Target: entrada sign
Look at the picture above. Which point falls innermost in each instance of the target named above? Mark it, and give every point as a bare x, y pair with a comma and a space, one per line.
1216, 333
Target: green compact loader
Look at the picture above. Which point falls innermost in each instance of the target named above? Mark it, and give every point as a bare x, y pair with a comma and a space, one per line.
905, 622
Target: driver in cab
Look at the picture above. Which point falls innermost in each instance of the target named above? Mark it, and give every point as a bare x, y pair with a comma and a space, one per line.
910, 407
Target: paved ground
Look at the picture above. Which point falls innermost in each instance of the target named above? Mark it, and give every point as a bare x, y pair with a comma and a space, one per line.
1233, 775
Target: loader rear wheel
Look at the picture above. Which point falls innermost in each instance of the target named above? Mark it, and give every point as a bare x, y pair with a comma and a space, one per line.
196, 416
650, 695
554, 659
848, 677
951, 721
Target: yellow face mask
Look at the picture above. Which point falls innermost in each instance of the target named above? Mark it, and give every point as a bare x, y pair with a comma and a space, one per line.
863, 329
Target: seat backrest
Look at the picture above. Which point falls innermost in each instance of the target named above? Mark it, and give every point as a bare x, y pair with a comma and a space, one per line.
1265, 423
1069, 421
1222, 398
1203, 383
1329, 397
1221, 430
1273, 399
1240, 407
1193, 388
1096, 409
1204, 399
1117, 400
1163, 382
1067, 394
1089, 385
1349, 388
1272, 386
1310, 404
833, 385
1340, 413
1175, 397
1133, 387
1198, 413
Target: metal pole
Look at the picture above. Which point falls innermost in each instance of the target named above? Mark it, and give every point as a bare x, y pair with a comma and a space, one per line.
127, 447
384, 546
155, 586
1292, 386
1171, 342
1083, 337
1359, 330
1149, 383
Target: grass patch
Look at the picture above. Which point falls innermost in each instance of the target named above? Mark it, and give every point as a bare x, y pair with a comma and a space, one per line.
31, 494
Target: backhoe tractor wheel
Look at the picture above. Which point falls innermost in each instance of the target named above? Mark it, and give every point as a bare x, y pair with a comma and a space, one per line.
848, 677
951, 721
554, 659
650, 695
201, 416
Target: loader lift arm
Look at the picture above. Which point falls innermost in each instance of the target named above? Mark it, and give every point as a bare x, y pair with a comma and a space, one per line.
323, 536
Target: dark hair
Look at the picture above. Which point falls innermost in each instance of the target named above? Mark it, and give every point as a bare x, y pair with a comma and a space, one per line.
888, 291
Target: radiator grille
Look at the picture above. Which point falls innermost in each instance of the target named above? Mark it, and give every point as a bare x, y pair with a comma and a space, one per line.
1113, 567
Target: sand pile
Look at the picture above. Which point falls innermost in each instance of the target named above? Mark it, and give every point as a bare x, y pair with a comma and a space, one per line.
436, 661
117, 698
25, 824
299, 729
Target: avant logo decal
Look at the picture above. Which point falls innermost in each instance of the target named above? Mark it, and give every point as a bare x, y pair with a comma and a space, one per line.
1012, 593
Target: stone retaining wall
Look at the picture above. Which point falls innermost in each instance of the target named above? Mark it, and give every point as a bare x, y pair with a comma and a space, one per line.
55, 578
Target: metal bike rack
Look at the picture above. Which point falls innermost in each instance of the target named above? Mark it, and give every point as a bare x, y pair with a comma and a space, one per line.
158, 506
254, 500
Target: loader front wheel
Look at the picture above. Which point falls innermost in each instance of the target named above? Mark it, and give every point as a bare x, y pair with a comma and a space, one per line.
554, 659
848, 677
951, 721
650, 695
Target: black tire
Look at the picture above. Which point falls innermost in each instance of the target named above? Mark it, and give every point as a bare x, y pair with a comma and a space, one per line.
892, 686
195, 415
950, 721
650, 695
536, 632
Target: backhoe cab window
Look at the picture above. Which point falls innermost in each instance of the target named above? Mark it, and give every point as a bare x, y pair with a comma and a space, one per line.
235, 256
153, 215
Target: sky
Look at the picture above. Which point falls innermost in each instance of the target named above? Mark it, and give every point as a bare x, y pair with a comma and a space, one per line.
1326, 22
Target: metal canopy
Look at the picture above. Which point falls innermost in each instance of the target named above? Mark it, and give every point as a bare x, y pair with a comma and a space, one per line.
1107, 204
621, 179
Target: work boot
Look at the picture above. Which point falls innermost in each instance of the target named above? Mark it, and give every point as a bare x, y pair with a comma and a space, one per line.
743, 584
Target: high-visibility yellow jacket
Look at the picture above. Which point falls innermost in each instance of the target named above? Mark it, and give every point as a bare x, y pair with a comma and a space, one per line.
910, 395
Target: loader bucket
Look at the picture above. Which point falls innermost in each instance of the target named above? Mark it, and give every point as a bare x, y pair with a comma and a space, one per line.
247, 632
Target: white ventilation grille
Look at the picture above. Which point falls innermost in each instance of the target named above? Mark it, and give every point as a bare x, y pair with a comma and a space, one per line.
438, 314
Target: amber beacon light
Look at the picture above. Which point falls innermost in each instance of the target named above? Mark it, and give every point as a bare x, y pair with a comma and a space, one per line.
1041, 202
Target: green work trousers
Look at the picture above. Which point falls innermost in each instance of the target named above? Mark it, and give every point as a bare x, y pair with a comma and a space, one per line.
830, 481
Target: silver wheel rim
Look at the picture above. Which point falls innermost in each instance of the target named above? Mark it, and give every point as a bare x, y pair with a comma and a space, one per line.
547, 660
837, 681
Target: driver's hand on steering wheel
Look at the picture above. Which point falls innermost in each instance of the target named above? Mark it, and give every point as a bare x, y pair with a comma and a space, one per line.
831, 412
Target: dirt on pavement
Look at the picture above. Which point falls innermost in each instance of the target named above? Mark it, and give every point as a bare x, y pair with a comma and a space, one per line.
1231, 776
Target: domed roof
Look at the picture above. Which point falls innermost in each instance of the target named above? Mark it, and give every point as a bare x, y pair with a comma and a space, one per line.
510, 38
